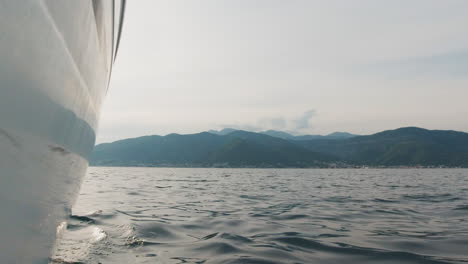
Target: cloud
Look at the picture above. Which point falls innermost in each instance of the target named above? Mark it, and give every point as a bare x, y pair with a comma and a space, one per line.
277, 123
291, 125
303, 122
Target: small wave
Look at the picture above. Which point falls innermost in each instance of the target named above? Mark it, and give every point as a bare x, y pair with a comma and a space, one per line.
461, 207
290, 217
98, 235
138, 242
62, 261
255, 197
250, 260
218, 248
94, 213
83, 218
432, 198
61, 229
381, 200
162, 187
371, 254
156, 232
236, 238
209, 236
342, 199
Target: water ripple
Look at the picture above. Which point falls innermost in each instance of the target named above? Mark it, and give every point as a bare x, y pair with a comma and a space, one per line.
149, 215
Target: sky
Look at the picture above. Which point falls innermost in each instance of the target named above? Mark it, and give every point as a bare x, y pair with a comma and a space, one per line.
302, 66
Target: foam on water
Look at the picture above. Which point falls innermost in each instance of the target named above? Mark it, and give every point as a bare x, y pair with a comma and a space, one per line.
149, 215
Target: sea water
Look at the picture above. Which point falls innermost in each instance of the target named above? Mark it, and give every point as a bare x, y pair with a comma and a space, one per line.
169, 215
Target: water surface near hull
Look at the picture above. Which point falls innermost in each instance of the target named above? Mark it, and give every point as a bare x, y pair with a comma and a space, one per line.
165, 215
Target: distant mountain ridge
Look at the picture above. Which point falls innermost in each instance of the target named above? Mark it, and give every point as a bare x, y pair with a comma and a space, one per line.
404, 146
288, 136
237, 149
408, 146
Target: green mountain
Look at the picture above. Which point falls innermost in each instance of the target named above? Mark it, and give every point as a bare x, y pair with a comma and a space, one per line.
223, 131
235, 149
407, 146
287, 136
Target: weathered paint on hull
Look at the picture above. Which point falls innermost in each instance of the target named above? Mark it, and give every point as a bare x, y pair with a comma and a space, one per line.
55, 64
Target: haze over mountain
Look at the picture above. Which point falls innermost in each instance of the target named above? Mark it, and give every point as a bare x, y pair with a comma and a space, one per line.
408, 146
288, 136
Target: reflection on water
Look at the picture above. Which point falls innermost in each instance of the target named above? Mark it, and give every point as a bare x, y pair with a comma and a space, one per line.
164, 215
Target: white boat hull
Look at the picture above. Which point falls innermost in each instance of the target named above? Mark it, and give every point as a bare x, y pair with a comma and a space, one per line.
55, 63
